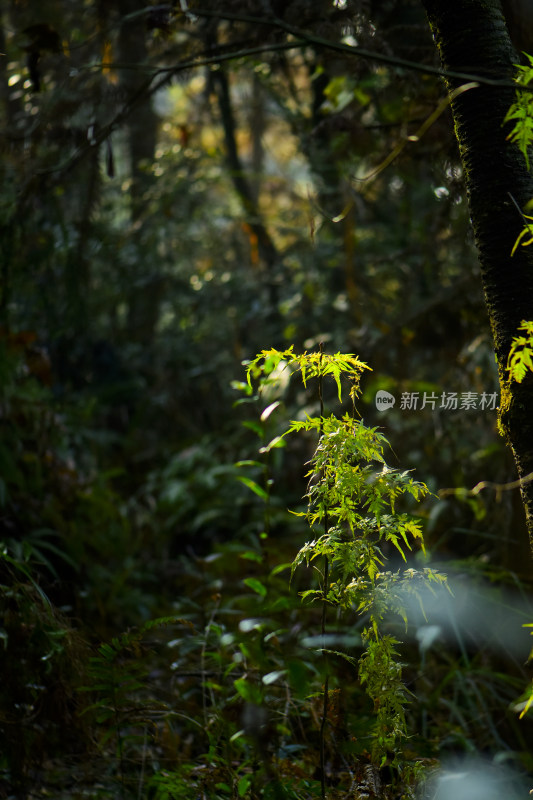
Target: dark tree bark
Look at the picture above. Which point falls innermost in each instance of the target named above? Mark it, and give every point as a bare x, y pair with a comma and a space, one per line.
146, 289
471, 35
142, 125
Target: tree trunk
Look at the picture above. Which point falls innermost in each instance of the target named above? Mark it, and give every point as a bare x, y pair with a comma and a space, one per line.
471, 35
147, 284
267, 249
142, 125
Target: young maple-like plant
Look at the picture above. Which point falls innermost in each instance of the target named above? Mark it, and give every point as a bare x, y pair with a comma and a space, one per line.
520, 359
351, 512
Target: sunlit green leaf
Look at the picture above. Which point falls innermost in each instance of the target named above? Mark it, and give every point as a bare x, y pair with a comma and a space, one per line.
258, 490
256, 585
248, 691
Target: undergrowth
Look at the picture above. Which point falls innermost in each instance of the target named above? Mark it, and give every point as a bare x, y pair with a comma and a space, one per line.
282, 670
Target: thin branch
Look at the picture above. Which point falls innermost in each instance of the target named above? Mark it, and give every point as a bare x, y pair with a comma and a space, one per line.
415, 137
150, 88
498, 487
382, 58
303, 39
520, 212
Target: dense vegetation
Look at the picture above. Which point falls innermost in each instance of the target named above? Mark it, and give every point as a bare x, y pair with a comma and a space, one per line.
230, 238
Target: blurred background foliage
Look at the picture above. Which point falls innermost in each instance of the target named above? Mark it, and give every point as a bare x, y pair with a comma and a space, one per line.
182, 186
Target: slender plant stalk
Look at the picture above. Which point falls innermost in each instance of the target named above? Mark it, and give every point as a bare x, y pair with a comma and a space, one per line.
143, 762
120, 741
202, 663
325, 589
326, 687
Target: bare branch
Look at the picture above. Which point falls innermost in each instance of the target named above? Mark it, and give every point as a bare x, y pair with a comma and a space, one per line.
498, 488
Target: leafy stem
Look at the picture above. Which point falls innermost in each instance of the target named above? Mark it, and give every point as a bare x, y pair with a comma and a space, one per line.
352, 496
325, 590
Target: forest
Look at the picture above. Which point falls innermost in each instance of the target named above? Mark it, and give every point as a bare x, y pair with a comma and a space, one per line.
266, 402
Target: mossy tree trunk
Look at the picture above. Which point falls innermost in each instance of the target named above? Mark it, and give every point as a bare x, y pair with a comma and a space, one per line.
471, 35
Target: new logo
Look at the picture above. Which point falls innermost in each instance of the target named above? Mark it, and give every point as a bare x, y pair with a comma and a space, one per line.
384, 400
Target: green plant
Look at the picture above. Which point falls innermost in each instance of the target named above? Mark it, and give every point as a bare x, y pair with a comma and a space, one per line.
352, 496
40, 658
123, 710
521, 113
527, 697
520, 359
